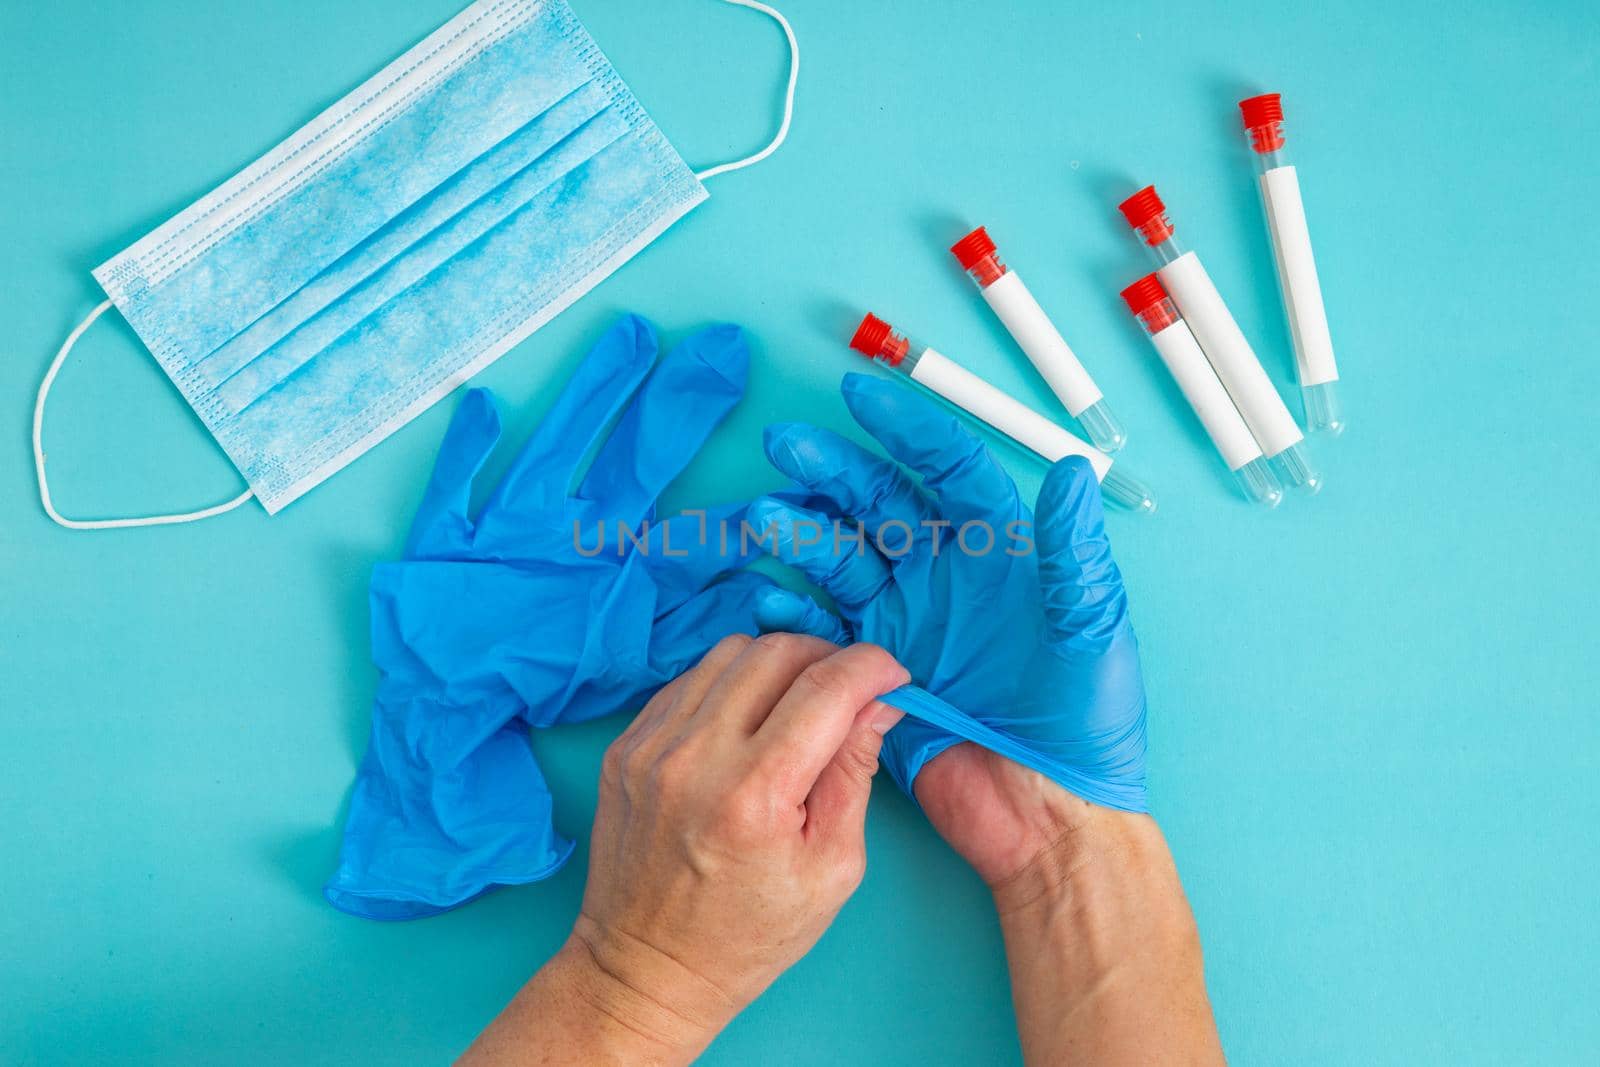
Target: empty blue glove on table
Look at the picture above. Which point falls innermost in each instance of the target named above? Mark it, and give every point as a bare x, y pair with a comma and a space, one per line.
1016, 632
512, 619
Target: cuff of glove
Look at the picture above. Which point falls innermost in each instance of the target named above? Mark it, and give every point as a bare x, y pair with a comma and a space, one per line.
1124, 794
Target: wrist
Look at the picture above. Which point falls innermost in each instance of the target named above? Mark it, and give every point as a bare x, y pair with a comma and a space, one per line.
1080, 895
1063, 835
655, 1009
1102, 948
1088, 845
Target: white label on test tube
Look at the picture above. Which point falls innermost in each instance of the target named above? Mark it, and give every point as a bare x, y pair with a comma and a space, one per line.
1043, 343
1005, 413
1297, 274
1182, 355
1230, 354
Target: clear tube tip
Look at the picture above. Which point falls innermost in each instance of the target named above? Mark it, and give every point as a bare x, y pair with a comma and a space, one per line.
1103, 427
1126, 491
1259, 484
1323, 414
1298, 473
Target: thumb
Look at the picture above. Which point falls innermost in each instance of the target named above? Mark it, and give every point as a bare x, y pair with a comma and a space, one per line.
836, 809
1084, 601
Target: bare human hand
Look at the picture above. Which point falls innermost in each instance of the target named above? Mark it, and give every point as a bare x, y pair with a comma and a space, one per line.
729, 832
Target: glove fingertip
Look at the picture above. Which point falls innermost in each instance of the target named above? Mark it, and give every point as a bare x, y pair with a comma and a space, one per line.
640, 327
797, 451
900, 419
629, 346
765, 511
778, 609
727, 351
723, 349
775, 433
867, 396
854, 383
1069, 501
478, 411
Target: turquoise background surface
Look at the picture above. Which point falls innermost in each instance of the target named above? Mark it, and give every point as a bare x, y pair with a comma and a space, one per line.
1374, 736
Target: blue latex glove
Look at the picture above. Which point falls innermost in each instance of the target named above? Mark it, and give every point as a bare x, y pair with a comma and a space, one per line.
494, 624
1029, 653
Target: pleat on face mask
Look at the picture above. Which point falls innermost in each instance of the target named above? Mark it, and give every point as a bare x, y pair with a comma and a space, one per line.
400, 242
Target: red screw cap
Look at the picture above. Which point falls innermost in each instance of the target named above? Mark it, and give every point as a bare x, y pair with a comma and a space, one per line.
1261, 110
973, 248
876, 339
1146, 292
870, 336
1142, 206
1263, 118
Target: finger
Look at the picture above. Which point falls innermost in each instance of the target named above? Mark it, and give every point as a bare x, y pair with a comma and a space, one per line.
441, 527
1084, 600
779, 610
859, 483
750, 687
970, 483
673, 413
809, 723
849, 568
836, 809
603, 382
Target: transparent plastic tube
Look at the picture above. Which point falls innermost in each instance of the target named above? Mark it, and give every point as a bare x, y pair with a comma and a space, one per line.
1103, 427
1126, 491
1323, 411
1279, 183
944, 377
1039, 339
1198, 382
1294, 467
1230, 355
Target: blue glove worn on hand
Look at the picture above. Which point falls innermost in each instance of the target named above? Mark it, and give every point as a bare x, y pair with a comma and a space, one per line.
1018, 628
529, 615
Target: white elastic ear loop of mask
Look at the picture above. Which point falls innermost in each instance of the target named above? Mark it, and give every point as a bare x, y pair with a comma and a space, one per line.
788, 95
38, 454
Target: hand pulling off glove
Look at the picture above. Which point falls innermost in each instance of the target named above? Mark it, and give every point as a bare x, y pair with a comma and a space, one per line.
491, 625
1024, 646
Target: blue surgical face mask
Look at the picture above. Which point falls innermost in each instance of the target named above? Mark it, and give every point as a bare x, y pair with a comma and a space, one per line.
401, 242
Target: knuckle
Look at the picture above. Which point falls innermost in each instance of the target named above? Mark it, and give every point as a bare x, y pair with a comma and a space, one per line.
780, 644
673, 771
794, 648
860, 761
746, 812
729, 647
829, 678
611, 767
634, 763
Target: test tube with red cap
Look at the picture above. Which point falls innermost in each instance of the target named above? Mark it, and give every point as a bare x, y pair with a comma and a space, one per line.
1297, 270
1148, 301
1220, 338
1038, 337
944, 377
